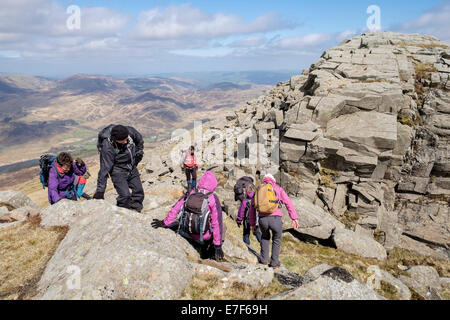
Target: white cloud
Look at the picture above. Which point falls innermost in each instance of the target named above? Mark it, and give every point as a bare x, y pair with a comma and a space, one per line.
302, 41
183, 21
249, 42
435, 21
35, 31
43, 18
204, 53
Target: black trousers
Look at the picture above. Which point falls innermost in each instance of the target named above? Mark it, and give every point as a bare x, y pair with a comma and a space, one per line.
123, 181
191, 172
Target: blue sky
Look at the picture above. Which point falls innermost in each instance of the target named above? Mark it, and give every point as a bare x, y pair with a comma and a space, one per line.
138, 37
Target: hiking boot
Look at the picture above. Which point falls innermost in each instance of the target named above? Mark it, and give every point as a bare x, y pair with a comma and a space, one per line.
262, 262
276, 266
86, 196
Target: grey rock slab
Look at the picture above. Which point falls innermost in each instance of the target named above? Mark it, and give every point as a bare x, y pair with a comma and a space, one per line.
116, 254
15, 199
326, 288
358, 244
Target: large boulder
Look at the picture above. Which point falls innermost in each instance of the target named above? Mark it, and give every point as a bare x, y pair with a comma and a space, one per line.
20, 214
15, 200
114, 253
254, 276
428, 221
422, 249
366, 132
315, 272
359, 244
235, 248
327, 288
313, 220
3, 211
424, 280
378, 276
65, 212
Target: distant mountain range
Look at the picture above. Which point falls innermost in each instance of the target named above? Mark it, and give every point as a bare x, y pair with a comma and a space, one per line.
39, 114
255, 77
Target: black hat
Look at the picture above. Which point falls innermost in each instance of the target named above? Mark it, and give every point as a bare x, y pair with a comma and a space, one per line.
119, 133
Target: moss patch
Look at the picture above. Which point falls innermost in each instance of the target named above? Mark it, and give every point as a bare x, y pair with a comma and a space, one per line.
408, 258
415, 295
299, 257
349, 219
327, 177
423, 70
405, 120
388, 291
433, 45
445, 293
379, 236
212, 289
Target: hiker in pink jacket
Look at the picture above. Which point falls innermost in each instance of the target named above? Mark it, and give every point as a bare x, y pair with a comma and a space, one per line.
273, 222
213, 240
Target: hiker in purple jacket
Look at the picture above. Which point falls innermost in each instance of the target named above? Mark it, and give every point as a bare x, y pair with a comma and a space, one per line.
244, 213
213, 241
63, 177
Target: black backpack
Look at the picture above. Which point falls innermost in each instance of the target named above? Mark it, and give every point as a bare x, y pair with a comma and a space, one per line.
195, 216
105, 134
45, 163
239, 188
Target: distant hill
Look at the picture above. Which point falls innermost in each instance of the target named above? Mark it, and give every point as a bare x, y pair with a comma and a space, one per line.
38, 114
228, 86
254, 77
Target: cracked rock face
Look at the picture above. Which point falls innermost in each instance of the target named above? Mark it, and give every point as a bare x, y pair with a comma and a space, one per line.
365, 132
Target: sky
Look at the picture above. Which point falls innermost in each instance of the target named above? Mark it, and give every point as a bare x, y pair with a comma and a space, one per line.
135, 37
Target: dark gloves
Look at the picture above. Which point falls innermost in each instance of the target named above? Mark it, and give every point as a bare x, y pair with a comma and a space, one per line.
138, 157
80, 162
219, 253
87, 175
99, 196
239, 223
158, 224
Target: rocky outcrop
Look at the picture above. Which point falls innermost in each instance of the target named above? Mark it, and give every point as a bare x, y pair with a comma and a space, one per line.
424, 280
378, 276
364, 130
358, 244
313, 220
113, 253
16, 208
332, 284
15, 200
116, 254
20, 214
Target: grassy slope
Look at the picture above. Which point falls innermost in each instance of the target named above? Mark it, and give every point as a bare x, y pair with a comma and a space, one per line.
25, 251
299, 257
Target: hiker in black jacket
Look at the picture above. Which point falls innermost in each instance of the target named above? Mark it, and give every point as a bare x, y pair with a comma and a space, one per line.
121, 149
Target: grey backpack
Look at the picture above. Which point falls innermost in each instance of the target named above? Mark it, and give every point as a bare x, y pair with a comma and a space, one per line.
195, 215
